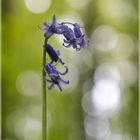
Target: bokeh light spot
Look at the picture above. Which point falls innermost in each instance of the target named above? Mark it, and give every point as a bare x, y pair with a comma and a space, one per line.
28, 128
28, 83
97, 127
107, 71
106, 95
72, 17
73, 77
78, 4
104, 38
125, 47
10, 120
38, 6
87, 104
113, 9
129, 73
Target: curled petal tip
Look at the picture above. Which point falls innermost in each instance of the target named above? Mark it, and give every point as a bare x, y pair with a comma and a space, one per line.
65, 72
60, 60
67, 46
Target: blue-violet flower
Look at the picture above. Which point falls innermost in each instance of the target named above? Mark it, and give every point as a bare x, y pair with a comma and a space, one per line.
54, 55
70, 39
51, 28
54, 75
75, 39
79, 36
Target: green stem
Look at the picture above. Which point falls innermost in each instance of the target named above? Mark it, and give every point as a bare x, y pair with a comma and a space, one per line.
44, 97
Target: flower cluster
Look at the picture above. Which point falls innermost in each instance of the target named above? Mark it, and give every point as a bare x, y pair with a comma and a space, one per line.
73, 37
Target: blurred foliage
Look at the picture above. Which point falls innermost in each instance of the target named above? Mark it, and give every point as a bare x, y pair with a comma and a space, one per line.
22, 54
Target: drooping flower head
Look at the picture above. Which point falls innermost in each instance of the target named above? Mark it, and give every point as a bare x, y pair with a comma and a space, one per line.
55, 78
77, 30
74, 38
54, 55
67, 32
51, 28
81, 41
70, 40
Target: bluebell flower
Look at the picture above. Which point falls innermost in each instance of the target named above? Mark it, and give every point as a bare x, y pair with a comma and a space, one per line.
70, 39
75, 39
51, 28
54, 55
79, 36
55, 78
77, 30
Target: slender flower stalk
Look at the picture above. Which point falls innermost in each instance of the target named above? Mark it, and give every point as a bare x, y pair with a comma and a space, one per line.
44, 96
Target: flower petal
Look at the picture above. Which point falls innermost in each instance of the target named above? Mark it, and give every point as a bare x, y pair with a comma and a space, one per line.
53, 21
60, 60
51, 86
44, 28
47, 69
51, 52
59, 87
53, 75
44, 78
57, 52
64, 81
67, 32
59, 29
79, 40
84, 43
77, 30
66, 71
46, 24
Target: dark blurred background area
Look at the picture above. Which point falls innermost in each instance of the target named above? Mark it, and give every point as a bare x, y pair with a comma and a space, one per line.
101, 101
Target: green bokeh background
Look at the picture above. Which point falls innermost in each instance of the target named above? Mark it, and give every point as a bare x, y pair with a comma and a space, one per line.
22, 52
